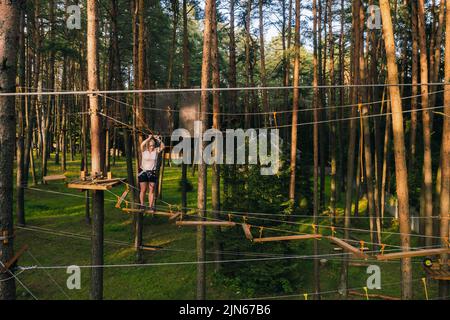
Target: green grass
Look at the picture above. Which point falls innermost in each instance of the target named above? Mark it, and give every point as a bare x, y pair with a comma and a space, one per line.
63, 213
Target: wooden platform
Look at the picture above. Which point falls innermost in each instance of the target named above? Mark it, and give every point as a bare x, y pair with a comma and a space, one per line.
410, 254
206, 223
349, 248
288, 238
57, 177
95, 184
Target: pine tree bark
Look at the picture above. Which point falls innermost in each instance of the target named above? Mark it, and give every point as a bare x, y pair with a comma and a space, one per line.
445, 161
295, 102
426, 126
262, 59
399, 148
332, 98
316, 146
414, 88
9, 39
343, 283
202, 183
20, 152
215, 179
96, 150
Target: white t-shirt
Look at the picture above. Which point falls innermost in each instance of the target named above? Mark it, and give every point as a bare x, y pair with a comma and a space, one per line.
149, 160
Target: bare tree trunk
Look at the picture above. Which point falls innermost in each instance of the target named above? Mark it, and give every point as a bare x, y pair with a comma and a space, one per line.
185, 46
139, 218
20, 175
426, 125
343, 283
295, 103
232, 61
215, 183
414, 88
202, 183
9, 40
332, 98
96, 150
265, 97
175, 11
399, 147
445, 161
316, 150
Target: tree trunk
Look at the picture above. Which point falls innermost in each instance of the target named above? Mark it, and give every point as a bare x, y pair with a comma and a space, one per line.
202, 183
331, 101
295, 102
185, 46
343, 283
20, 175
215, 183
262, 59
445, 161
9, 40
414, 79
426, 125
96, 150
175, 11
316, 144
399, 147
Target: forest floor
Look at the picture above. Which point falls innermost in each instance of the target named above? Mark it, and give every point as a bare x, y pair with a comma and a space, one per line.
57, 235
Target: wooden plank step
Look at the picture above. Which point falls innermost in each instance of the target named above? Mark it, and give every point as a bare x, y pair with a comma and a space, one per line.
150, 248
372, 295
348, 247
86, 186
56, 177
412, 253
206, 223
287, 238
149, 212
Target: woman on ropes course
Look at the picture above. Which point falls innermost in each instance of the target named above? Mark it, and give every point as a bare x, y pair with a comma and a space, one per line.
148, 175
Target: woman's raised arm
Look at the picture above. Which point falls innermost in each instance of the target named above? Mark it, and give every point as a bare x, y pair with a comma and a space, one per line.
145, 142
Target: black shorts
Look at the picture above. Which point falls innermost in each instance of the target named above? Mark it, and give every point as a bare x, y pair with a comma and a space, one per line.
148, 176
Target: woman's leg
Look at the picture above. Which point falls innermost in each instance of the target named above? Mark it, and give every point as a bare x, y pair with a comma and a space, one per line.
143, 189
151, 194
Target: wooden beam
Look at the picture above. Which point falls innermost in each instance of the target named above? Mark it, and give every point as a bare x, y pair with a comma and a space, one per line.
372, 295
149, 248
206, 223
287, 238
122, 197
347, 247
410, 254
54, 178
248, 233
85, 186
175, 215
16, 257
129, 210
